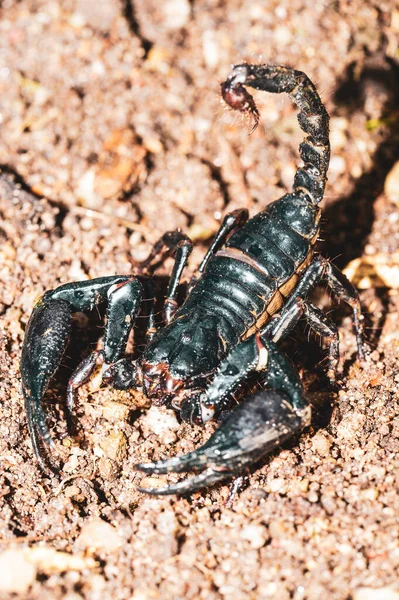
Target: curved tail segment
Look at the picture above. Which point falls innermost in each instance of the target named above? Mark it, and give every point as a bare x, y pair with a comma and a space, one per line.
310, 179
46, 339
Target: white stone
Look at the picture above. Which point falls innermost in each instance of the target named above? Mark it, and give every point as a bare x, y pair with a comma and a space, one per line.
16, 572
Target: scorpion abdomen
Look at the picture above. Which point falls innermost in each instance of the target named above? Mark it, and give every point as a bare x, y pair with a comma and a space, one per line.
247, 281
234, 290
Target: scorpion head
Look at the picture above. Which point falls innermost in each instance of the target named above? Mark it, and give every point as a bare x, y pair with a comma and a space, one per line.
183, 352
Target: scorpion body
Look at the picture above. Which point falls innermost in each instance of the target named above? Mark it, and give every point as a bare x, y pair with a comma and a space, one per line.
252, 287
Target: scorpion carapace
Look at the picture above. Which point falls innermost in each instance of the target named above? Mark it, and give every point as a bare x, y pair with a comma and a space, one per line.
251, 289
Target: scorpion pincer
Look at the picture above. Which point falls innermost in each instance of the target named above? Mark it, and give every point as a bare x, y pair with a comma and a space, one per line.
251, 289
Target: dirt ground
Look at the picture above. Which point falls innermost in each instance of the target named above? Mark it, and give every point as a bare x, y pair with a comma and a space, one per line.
112, 131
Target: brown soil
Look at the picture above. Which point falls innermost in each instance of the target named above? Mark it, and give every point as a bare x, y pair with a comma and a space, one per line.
112, 132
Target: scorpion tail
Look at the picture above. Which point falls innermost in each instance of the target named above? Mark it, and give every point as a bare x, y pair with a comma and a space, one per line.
46, 339
313, 117
252, 430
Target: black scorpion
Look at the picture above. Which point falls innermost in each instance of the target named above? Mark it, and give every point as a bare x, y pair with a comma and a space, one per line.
250, 291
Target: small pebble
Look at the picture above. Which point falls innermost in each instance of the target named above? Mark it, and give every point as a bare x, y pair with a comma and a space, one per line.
97, 535
50, 561
151, 482
313, 497
277, 485
17, 573
114, 445
162, 422
210, 48
72, 490
369, 494
175, 12
115, 411
108, 468
256, 535
321, 444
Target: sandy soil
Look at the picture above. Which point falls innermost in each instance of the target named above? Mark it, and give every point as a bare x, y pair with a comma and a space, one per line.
112, 132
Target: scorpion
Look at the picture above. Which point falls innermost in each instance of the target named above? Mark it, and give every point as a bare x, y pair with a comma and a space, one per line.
251, 288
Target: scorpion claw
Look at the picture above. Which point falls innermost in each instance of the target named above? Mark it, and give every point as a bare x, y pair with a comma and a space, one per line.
45, 341
191, 484
177, 464
252, 430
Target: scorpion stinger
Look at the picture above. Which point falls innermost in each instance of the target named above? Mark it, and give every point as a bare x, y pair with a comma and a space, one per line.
250, 290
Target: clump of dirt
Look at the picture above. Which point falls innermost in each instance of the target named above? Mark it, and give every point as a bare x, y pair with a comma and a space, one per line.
112, 133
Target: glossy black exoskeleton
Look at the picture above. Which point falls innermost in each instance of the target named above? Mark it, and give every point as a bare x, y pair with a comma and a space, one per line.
252, 287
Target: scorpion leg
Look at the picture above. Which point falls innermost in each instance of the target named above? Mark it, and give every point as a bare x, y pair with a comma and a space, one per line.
320, 269
253, 429
173, 243
183, 251
343, 289
324, 326
280, 326
47, 337
80, 376
231, 221
162, 249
